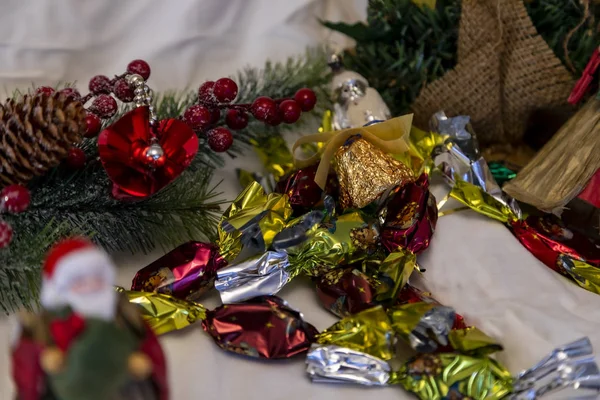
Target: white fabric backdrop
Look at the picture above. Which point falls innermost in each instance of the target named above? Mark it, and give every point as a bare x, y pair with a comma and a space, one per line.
474, 264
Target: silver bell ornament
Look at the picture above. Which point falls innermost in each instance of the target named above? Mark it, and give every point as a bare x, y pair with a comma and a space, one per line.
355, 103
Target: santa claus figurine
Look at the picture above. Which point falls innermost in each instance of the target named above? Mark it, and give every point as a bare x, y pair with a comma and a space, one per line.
88, 342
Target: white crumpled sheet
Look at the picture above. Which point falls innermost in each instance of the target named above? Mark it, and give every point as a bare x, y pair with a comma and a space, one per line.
474, 264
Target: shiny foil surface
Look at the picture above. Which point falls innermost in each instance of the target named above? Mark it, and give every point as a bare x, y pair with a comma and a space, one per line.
393, 274
273, 152
411, 294
364, 172
330, 363
261, 275
346, 291
253, 219
410, 217
164, 313
264, 327
368, 331
185, 272
478, 200
303, 191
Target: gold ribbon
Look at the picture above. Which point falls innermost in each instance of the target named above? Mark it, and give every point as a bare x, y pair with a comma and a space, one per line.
390, 136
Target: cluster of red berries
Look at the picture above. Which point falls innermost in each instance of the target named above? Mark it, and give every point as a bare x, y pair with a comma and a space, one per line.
14, 199
216, 96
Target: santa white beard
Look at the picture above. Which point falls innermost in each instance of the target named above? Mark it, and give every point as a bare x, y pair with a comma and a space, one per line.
101, 304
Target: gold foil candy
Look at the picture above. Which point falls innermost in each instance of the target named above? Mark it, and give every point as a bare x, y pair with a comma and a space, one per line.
368, 331
394, 272
273, 152
365, 172
471, 340
475, 198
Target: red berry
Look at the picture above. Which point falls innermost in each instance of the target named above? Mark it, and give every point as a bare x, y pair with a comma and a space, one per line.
264, 108
6, 234
290, 111
71, 92
47, 90
219, 139
15, 198
225, 90
274, 120
123, 91
236, 119
139, 67
206, 93
197, 117
306, 99
215, 116
92, 125
100, 84
104, 105
76, 158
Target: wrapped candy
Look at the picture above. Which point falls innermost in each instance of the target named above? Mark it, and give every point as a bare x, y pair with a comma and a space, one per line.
185, 272
346, 291
265, 327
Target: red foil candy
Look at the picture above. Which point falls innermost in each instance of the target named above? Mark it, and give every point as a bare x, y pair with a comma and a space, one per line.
411, 217
546, 238
346, 291
264, 327
185, 272
303, 191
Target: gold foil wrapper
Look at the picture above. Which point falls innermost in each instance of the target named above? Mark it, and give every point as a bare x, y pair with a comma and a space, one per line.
471, 340
475, 198
248, 205
406, 317
585, 275
394, 272
365, 172
454, 376
421, 144
368, 331
273, 152
164, 313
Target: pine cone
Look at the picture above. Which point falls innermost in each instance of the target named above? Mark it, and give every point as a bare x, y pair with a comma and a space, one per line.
36, 133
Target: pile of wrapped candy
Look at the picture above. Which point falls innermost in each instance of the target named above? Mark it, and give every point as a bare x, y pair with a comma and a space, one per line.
353, 218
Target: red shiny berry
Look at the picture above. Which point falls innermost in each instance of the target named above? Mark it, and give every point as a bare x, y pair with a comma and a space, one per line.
197, 117
225, 90
71, 92
123, 91
206, 93
219, 139
306, 99
92, 125
274, 120
6, 234
76, 158
264, 108
215, 116
236, 119
290, 111
47, 90
104, 106
15, 199
100, 84
139, 67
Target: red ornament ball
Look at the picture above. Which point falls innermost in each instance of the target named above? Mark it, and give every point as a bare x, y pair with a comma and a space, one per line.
100, 84
264, 108
6, 234
76, 158
104, 106
219, 139
290, 111
123, 91
197, 117
71, 92
139, 67
206, 93
47, 90
225, 90
236, 119
15, 198
306, 99
92, 125
215, 116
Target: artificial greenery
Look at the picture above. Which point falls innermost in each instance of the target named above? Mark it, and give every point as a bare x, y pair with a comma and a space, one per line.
67, 202
403, 45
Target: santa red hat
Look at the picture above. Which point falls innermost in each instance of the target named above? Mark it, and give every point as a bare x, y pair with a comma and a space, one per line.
69, 258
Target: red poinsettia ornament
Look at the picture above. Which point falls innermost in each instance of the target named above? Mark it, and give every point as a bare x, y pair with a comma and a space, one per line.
141, 159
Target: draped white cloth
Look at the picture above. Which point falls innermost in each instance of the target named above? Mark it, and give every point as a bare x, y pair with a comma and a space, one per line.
474, 264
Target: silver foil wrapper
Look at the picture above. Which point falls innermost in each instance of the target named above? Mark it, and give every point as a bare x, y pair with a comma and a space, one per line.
261, 275
335, 364
432, 330
460, 158
568, 372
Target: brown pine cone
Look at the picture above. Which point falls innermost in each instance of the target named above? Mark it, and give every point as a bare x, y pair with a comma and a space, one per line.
36, 133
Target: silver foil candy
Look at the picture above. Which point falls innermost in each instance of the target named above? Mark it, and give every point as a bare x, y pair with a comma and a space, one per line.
335, 364
568, 372
261, 275
432, 330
